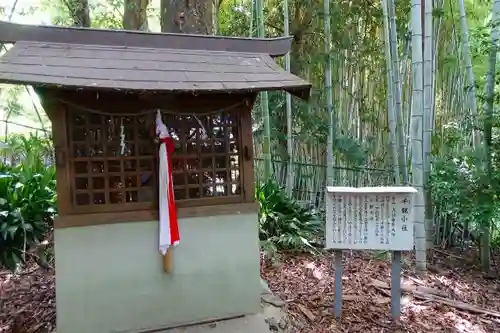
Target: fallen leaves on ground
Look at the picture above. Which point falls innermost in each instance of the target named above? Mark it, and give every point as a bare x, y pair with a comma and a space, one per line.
27, 300
454, 296
306, 283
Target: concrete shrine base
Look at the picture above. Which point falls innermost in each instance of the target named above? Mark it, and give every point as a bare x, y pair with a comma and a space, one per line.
271, 318
110, 278
246, 324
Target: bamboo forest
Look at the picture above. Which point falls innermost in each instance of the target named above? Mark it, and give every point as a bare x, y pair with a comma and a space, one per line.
404, 93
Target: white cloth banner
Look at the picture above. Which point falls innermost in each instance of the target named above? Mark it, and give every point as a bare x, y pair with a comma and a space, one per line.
169, 229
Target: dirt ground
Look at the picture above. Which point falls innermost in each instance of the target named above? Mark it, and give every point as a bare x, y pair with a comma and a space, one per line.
454, 296
27, 300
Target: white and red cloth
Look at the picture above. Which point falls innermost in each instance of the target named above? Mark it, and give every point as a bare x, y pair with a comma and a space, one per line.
169, 228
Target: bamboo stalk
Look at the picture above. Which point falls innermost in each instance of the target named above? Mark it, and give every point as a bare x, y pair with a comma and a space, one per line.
471, 87
264, 100
390, 96
289, 129
329, 94
417, 135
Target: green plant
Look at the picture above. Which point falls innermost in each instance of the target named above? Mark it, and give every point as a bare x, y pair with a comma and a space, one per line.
34, 153
27, 203
283, 223
464, 197
27, 206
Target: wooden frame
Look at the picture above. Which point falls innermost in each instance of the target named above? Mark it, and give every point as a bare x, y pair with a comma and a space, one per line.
64, 133
82, 220
104, 175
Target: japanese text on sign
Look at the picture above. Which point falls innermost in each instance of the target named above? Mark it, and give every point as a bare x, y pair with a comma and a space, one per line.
376, 218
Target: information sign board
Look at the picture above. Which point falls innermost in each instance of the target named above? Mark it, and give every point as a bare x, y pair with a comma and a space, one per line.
369, 218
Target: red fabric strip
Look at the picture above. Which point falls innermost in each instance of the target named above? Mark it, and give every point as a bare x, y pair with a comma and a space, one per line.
174, 227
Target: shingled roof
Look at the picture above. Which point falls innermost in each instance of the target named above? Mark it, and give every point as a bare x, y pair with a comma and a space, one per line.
15, 32
144, 69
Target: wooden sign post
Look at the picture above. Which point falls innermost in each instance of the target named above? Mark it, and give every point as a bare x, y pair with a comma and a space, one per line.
370, 218
168, 261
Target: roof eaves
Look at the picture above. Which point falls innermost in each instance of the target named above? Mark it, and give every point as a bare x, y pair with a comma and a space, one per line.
14, 32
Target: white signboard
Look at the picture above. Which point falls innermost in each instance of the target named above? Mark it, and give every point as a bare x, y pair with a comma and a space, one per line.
369, 218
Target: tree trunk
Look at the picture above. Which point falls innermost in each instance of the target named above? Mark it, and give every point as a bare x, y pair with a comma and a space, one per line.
186, 16
215, 16
79, 11
135, 15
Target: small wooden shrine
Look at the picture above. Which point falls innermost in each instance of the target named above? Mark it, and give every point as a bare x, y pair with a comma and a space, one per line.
102, 90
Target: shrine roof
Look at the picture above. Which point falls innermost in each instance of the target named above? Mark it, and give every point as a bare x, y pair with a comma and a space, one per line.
112, 67
14, 32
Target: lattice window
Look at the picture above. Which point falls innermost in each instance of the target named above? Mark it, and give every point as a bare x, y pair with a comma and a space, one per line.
113, 160
206, 162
